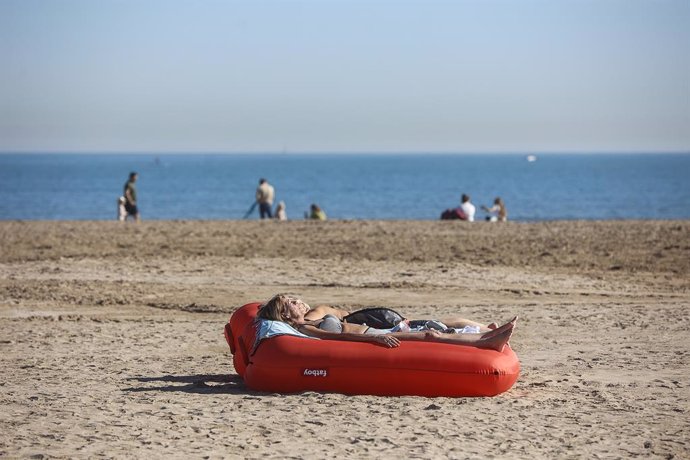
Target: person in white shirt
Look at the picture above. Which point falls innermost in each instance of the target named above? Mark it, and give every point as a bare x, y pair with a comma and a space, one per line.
467, 207
264, 196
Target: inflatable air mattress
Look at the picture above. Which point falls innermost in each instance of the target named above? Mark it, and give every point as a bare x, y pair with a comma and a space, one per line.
289, 364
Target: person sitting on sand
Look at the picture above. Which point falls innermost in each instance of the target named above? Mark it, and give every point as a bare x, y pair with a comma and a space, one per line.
295, 312
281, 214
316, 213
467, 207
499, 211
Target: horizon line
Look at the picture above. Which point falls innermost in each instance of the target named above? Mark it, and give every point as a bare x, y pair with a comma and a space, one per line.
345, 152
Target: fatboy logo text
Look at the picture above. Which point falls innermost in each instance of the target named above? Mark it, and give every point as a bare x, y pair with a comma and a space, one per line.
315, 373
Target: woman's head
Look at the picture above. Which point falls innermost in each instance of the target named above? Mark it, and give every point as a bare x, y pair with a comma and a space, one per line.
283, 307
498, 201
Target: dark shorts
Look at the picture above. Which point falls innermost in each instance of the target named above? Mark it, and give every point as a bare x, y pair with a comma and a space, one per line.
131, 209
265, 210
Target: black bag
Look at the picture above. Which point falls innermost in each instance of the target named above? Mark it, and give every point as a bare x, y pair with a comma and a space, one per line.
378, 318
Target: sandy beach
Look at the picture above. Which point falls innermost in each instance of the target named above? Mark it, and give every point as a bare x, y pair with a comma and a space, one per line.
112, 340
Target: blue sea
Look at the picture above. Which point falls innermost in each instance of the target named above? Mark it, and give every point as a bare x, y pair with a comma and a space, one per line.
357, 186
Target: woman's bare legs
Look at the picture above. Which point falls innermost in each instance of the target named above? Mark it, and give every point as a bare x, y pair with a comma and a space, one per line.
459, 323
497, 342
493, 340
510, 324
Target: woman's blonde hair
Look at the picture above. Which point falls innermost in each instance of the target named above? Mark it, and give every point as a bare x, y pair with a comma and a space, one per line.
274, 309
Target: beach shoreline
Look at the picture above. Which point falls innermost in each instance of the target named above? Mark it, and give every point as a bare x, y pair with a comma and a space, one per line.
113, 336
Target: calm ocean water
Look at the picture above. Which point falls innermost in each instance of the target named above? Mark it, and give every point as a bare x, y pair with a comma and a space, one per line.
594, 186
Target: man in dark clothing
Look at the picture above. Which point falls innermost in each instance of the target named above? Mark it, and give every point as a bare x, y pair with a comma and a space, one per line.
131, 196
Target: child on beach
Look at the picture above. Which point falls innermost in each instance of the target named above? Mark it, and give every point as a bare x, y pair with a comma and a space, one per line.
280, 211
121, 211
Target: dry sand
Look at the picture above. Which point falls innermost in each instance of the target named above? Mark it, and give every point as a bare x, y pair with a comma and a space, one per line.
112, 337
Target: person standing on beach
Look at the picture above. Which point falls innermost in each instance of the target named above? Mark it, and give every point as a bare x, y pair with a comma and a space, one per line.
264, 196
467, 207
131, 197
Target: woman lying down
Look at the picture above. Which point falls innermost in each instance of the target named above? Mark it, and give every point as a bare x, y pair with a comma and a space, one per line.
326, 322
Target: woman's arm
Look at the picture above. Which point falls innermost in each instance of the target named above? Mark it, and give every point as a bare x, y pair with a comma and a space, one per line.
320, 311
383, 339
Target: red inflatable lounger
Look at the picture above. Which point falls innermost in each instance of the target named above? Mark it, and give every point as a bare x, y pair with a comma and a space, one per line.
289, 364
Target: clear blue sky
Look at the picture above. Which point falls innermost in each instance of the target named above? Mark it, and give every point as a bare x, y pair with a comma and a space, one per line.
346, 76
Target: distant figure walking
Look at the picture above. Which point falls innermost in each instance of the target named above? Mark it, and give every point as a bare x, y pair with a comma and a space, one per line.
280, 211
498, 211
467, 207
316, 213
131, 197
264, 196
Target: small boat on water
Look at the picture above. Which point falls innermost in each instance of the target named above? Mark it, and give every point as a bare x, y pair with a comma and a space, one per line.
531, 158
